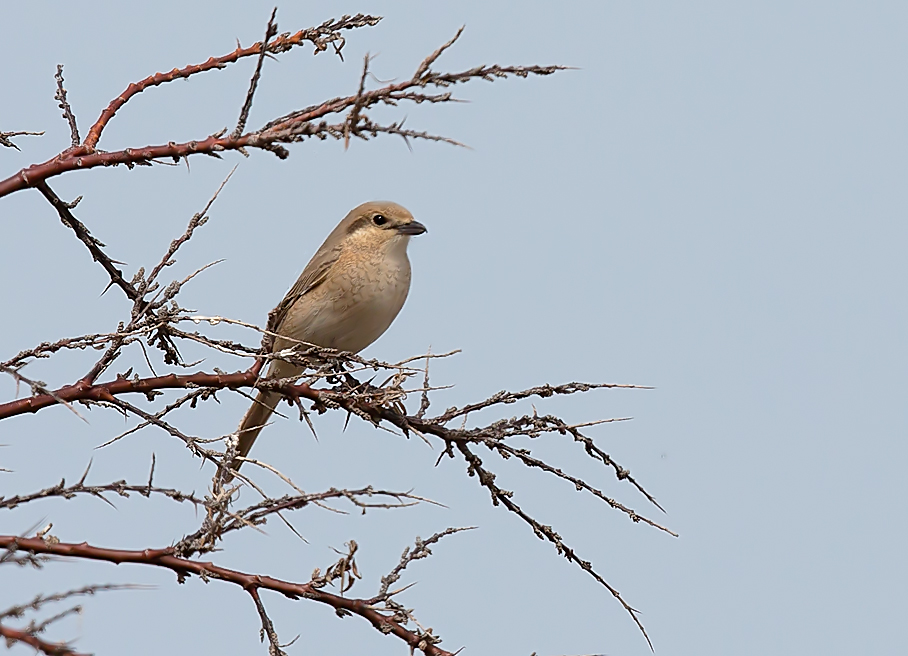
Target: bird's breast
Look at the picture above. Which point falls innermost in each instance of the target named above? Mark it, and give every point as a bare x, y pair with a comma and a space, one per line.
354, 306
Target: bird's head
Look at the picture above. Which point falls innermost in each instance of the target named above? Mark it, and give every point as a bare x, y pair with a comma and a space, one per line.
380, 224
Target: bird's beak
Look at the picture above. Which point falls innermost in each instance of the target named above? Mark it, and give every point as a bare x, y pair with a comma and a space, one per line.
412, 228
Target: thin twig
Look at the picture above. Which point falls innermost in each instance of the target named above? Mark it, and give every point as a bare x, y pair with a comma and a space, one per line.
270, 31
60, 96
93, 244
48, 648
6, 137
420, 550
274, 645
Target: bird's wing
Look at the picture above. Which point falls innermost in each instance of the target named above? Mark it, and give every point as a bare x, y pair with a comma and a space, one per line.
312, 276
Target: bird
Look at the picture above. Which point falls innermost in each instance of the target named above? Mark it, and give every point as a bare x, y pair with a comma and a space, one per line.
346, 298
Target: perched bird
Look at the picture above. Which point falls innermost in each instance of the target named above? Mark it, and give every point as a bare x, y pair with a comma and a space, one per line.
346, 297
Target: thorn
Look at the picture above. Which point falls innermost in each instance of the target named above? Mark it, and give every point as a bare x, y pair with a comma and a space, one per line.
151, 473
85, 475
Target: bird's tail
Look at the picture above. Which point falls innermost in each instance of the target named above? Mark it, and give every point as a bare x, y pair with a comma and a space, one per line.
258, 413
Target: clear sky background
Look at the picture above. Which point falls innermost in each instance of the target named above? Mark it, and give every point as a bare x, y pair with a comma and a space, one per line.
714, 204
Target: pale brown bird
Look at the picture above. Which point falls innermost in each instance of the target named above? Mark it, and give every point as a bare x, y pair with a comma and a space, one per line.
346, 297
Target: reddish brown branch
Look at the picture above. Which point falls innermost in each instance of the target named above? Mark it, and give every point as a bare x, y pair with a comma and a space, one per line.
184, 567
82, 391
293, 127
318, 36
50, 648
29, 177
80, 159
84, 156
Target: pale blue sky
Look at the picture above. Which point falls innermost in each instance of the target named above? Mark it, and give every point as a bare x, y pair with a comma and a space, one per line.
714, 204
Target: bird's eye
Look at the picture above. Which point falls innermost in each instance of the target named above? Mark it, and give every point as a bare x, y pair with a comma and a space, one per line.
379, 220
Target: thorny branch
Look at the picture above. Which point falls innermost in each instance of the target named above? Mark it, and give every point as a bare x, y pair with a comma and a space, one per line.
206, 571
222, 519
382, 403
331, 380
294, 127
274, 645
120, 488
49, 648
93, 244
419, 551
29, 635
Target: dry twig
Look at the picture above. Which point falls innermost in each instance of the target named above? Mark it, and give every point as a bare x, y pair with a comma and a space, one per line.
6, 137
